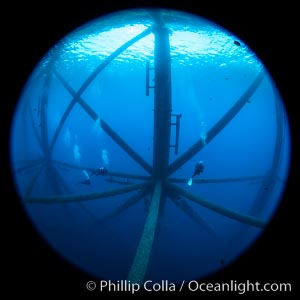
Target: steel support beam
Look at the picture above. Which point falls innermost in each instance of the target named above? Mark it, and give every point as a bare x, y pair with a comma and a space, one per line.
191, 213
249, 220
113, 135
269, 181
108, 60
124, 206
218, 127
162, 102
216, 180
30, 164
141, 259
114, 174
86, 197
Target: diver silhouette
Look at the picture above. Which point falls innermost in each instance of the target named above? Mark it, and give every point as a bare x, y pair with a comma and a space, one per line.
199, 168
102, 171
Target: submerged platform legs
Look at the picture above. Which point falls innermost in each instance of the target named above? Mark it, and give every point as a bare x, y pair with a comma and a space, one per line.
140, 263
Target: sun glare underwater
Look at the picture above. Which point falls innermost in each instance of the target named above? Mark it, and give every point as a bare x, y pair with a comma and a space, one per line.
150, 145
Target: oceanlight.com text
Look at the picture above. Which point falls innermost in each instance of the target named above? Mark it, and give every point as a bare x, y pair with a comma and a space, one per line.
239, 287
192, 286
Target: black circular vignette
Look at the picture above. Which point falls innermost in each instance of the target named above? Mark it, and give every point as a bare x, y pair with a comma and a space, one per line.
33, 28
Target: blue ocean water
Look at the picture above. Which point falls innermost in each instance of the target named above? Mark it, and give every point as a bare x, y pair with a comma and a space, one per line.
56, 143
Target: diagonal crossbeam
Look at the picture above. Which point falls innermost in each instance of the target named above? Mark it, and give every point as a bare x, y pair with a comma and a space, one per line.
110, 58
88, 81
249, 220
38, 138
61, 180
33, 180
192, 214
126, 205
217, 127
54, 179
85, 197
111, 133
29, 165
43, 118
61, 123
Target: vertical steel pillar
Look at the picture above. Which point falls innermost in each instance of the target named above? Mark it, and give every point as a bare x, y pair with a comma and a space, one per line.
162, 102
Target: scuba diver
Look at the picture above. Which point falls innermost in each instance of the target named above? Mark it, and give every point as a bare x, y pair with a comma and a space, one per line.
102, 171
199, 168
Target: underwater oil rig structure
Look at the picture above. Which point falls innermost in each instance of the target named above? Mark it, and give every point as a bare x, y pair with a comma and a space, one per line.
160, 183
